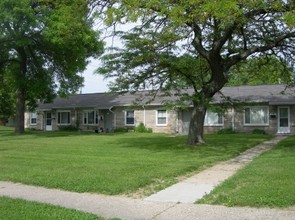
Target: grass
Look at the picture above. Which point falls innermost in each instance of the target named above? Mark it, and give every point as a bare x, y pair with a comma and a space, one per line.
18, 209
110, 164
268, 181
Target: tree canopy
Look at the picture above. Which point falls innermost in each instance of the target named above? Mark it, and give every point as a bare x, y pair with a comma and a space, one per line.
261, 70
193, 41
44, 44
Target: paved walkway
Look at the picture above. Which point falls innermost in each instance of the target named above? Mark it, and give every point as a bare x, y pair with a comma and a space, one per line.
162, 205
195, 187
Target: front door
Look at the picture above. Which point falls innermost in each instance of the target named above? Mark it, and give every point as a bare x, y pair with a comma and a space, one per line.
186, 118
283, 120
48, 121
108, 122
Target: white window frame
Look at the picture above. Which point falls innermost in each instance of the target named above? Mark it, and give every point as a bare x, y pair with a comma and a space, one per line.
256, 107
126, 114
217, 116
157, 117
86, 116
58, 117
33, 115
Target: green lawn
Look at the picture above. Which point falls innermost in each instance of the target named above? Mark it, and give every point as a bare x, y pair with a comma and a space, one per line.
17, 209
110, 164
268, 181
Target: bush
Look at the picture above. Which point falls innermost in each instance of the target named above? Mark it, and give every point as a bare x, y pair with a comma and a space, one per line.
142, 129
226, 131
31, 129
258, 131
68, 128
120, 130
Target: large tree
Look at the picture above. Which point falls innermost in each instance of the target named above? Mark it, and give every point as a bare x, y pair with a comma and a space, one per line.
195, 43
7, 97
44, 44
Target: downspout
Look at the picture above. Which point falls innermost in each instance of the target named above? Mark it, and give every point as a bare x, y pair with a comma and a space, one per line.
233, 119
143, 115
110, 109
177, 121
77, 123
44, 121
40, 114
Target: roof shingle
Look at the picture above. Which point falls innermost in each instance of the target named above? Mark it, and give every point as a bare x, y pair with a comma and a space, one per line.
272, 94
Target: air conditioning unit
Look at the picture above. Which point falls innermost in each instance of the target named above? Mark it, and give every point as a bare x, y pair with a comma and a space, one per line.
273, 115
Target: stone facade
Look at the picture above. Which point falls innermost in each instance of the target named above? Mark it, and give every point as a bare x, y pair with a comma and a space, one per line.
175, 121
265, 107
147, 116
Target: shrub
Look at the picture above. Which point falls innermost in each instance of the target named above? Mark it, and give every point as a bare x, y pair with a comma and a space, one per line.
31, 129
258, 131
68, 128
120, 130
226, 131
142, 129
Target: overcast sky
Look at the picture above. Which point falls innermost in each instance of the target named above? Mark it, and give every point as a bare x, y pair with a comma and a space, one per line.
93, 83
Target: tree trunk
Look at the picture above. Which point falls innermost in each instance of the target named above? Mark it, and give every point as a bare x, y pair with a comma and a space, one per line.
20, 112
21, 93
196, 127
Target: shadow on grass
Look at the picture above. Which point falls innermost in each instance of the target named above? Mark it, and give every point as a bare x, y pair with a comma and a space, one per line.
287, 144
6, 133
9, 132
149, 141
216, 144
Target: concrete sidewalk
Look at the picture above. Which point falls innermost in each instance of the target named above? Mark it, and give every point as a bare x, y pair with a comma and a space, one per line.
163, 205
195, 187
136, 209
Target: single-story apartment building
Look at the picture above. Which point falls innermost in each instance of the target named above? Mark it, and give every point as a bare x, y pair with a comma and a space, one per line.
267, 107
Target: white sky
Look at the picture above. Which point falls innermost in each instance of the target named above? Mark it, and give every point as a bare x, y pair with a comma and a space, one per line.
93, 82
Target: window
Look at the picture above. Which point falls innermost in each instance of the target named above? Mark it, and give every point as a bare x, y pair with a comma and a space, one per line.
161, 117
256, 115
64, 118
129, 118
90, 118
213, 118
33, 118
